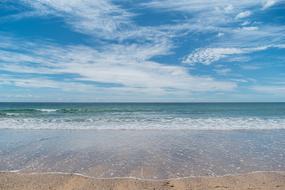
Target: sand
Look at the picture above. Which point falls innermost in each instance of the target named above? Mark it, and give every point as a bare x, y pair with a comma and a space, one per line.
251, 181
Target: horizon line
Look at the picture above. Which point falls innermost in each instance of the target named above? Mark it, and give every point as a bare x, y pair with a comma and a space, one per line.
141, 102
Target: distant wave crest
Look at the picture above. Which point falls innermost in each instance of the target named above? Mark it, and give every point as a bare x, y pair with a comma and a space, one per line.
47, 110
24, 111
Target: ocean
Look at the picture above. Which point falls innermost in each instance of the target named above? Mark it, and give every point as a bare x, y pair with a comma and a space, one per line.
142, 140
140, 116
210, 116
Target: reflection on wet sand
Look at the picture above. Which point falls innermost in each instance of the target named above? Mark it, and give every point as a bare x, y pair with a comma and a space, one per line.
148, 154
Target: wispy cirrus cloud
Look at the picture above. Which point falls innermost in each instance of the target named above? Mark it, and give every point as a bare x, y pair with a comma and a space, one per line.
269, 3
270, 89
209, 12
237, 33
100, 17
127, 67
207, 56
128, 56
42, 82
243, 14
199, 6
210, 6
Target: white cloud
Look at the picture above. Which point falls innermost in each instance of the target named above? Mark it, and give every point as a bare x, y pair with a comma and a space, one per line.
99, 17
208, 12
129, 66
220, 34
269, 3
243, 14
276, 90
250, 28
43, 83
223, 71
246, 23
207, 56
102, 19
105, 19
198, 6
218, 6
214, 17
211, 16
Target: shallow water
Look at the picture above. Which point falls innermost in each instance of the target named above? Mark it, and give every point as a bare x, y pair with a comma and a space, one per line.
149, 154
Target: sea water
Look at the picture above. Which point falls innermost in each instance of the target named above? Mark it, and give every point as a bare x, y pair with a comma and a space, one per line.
142, 140
139, 116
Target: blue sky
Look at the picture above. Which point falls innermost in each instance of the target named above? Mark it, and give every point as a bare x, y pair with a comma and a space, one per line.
126, 50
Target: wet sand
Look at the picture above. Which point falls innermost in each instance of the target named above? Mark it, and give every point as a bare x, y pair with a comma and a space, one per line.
147, 154
252, 181
147, 159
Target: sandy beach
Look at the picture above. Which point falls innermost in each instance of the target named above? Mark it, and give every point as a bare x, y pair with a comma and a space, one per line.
252, 181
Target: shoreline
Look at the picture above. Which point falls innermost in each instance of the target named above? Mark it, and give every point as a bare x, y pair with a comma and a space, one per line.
139, 178
57, 181
142, 154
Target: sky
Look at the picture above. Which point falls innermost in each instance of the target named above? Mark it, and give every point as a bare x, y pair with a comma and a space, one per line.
142, 50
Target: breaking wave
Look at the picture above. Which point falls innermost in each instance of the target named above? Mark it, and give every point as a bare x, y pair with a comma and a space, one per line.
227, 123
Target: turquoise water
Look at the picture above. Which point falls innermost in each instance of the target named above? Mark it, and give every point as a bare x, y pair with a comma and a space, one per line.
214, 116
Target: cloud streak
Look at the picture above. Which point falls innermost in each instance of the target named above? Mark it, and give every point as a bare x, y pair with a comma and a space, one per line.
243, 14
207, 56
128, 66
100, 17
276, 90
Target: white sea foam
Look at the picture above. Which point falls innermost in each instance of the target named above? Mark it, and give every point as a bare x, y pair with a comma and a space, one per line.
210, 123
47, 110
12, 114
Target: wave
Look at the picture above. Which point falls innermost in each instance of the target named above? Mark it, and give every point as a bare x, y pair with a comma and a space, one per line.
23, 110
47, 110
65, 110
111, 123
27, 111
